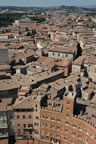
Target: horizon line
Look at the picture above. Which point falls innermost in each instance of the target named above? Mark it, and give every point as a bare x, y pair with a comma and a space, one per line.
87, 6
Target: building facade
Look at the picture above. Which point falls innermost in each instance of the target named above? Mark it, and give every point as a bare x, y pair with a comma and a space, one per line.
59, 53
63, 127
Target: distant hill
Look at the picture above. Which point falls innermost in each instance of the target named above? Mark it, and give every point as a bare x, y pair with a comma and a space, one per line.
67, 9
92, 6
37, 8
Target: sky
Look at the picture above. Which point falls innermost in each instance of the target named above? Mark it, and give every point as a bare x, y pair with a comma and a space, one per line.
45, 3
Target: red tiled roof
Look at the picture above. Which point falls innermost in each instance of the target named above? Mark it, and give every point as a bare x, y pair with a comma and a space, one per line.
15, 46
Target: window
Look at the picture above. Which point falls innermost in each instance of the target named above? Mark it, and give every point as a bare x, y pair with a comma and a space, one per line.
58, 54
47, 117
87, 132
68, 103
53, 54
63, 56
50, 104
79, 136
92, 136
18, 117
52, 126
3, 124
52, 118
42, 124
58, 120
36, 132
29, 116
58, 128
10, 116
23, 116
1, 117
74, 126
18, 124
66, 55
37, 117
66, 131
58, 104
24, 125
47, 125
70, 88
93, 115
65, 138
36, 105
47, 137
73, 134
67, 115
86, 140
66, 123
42, 132
42, 137
19, 131
36, 124
52, 135
72, 142
57, 136
42, 116
30, 125
80, 128
68, 109
47, 133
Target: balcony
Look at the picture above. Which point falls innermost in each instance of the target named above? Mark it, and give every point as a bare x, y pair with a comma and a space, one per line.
53, 141
3, 126
28, 129
3, 119
3, 135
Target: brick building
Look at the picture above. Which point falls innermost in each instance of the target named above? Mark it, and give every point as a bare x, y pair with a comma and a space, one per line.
59, 124
62, 126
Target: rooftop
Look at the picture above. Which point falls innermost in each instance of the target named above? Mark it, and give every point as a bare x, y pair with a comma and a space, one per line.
62, 49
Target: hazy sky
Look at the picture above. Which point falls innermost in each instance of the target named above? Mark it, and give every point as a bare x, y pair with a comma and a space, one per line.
47, 2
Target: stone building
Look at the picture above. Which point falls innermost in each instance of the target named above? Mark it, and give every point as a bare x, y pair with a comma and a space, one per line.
62, 52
